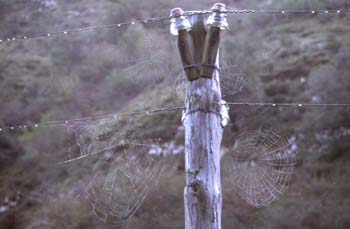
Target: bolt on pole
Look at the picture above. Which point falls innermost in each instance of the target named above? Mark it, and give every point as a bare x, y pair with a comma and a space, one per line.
205, 114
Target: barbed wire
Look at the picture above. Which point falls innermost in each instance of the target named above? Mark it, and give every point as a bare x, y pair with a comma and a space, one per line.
157, 19
161, 110
285, 11
291, 104
92, 118
105, 26
82, 29
103, 150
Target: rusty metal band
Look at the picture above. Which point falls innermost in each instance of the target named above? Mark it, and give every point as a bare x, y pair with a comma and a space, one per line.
202, 110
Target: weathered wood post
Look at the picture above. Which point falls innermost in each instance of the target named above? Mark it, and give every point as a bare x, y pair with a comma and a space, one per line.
198, 39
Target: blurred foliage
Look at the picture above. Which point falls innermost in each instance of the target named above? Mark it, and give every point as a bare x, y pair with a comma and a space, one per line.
284, 58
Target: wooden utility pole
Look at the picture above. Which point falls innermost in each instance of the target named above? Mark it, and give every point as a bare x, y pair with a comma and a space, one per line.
198, 46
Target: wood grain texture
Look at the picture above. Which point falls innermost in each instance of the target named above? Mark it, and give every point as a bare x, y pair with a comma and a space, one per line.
202, 194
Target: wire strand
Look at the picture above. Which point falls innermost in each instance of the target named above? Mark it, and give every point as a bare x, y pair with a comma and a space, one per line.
165, 109
82, 29
285, 11
93, 118
155, 19
291, 104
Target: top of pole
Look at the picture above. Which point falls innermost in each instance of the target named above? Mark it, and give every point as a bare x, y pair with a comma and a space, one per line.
219, 7
198, 39
218, 16
178, 21
177, 12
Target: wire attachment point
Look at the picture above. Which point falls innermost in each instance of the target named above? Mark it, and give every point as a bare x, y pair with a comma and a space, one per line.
224, 113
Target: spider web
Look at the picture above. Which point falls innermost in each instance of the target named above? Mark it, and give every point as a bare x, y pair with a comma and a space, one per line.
103, 137
121, 185
232, 82
262, 166
126, 171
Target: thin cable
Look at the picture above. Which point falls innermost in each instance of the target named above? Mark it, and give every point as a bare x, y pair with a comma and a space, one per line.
82, 29
188, 13
93, 118
166, 109
102, 151
285, 11
290, 104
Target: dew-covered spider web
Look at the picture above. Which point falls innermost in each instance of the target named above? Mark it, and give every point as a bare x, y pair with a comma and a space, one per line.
126, 170
103, 136
121, 185
232, 82
262, 164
